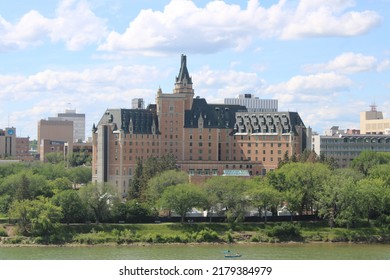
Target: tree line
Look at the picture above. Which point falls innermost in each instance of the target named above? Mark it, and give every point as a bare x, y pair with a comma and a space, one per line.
40, 196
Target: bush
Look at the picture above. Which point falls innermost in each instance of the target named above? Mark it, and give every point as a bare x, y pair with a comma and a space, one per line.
94, 238
285, 231
3, 233
206, 235
383, 221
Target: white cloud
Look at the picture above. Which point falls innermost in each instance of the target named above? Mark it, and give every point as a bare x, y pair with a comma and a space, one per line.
347, 63
215, 85
315, 85
184, 26
75, 25
328, 18
27, 99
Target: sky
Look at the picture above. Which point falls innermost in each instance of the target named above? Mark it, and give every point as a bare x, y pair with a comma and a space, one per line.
327, 60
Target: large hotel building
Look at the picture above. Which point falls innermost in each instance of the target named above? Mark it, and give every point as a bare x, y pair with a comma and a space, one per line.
206, 139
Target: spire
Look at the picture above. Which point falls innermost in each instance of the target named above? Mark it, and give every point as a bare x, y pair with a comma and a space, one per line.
184, 76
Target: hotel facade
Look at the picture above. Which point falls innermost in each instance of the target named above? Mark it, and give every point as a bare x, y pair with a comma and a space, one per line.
206, 139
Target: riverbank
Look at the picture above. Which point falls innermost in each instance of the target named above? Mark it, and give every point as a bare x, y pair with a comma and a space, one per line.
196, 233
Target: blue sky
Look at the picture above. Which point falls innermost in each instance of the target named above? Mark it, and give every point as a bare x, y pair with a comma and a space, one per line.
327, 60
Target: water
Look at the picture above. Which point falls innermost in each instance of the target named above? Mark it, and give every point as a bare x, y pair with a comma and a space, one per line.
313, 251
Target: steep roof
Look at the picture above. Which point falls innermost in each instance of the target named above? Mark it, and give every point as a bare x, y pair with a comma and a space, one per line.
136, 121
211, 115
184, 76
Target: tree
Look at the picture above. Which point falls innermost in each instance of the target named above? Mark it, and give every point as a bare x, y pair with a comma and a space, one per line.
370, 193
228, 194
262, 196
368, 159
133, 211
300, 181
79, 159
99, 199
55, 157
182, 198
330, 196
37, 217
73, 209
60, 184
136, 183
160, 182
80, 175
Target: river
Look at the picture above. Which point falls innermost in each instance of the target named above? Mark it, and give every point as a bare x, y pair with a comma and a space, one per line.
290, 251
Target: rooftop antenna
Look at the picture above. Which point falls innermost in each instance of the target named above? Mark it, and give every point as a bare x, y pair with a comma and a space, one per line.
373, 107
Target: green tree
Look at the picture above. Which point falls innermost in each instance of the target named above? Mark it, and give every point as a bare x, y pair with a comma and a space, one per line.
182, 198
136, 183
263, 196
99, 199
73, 209
37, 217
160, 182
368, 159
228, 194
330, 199
133, 211
300, 181
60, 184
80, 175
370, 193
55, 157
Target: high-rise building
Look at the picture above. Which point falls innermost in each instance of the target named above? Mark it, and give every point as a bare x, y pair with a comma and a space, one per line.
372, 122
78, 123
51, 133
253, 103
137, 103
7, 142
206, 139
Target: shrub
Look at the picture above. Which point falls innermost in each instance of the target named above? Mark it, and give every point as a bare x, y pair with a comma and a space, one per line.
285, 231
3, 233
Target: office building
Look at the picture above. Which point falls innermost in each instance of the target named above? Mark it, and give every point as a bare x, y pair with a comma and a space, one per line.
254, 104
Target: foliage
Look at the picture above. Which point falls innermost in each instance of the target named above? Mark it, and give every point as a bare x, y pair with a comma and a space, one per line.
368, 159
79, 159
133, 212
159, 183
54, 157
72, 207
285, 231
182, 198
37, 217
263, 196
227, 194
99, 199
145, 170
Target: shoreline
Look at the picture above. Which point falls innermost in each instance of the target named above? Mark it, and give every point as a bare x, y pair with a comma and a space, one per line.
143, 244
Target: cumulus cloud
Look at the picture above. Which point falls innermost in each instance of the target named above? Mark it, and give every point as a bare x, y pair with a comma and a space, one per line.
74, 24
347, 63
317, 85
218, 25
91, 91
215, 85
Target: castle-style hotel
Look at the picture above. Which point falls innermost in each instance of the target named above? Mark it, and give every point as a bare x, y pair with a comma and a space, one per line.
206, 139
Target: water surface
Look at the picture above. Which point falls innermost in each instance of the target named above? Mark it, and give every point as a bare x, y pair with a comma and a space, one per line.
311, 251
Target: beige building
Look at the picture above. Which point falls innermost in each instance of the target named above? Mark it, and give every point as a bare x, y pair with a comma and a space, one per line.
55, 131
7, 142
372, 122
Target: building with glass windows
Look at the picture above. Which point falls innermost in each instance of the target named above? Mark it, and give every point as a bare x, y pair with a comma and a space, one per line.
205, 139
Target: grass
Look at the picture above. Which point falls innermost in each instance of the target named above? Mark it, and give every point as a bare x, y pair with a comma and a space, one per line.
216, 232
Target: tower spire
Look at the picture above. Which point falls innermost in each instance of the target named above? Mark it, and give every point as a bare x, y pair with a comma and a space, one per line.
184, 76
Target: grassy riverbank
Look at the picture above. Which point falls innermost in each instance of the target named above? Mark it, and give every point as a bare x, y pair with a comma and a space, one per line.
91, 234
